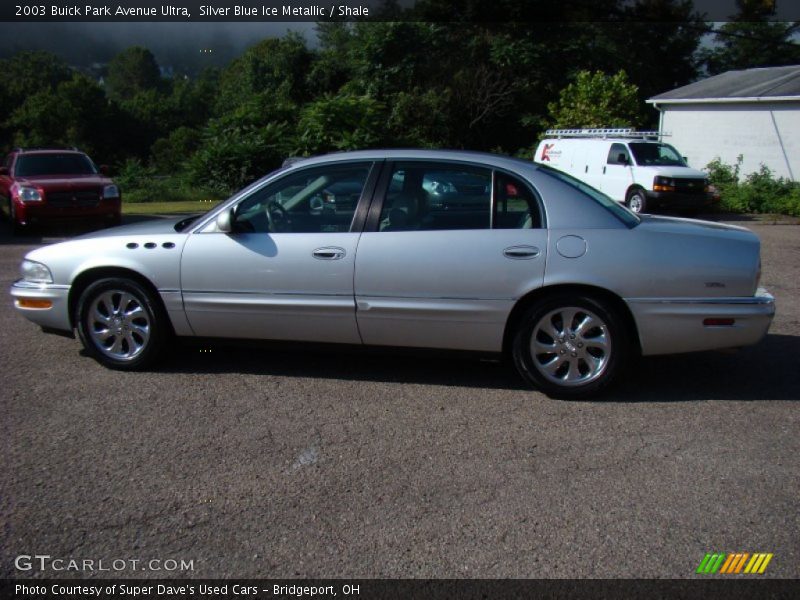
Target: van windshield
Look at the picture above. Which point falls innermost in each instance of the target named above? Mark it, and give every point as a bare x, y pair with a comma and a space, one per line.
656, 155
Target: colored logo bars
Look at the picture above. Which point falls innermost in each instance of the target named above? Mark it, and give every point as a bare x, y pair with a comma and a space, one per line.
734, 563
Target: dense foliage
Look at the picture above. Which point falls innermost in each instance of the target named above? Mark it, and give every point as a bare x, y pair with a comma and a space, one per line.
424, 83
758, 192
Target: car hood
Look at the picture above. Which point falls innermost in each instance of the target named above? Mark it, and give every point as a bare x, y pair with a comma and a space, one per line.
150, 227
65, 181
678, 172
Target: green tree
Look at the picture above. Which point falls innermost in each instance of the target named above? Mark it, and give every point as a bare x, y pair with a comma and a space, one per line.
343, 122
276, 67
76, 113
132, 71
597, 100
752, 40
237, 148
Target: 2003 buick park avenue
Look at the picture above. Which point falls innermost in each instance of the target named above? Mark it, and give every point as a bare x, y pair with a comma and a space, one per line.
412, 248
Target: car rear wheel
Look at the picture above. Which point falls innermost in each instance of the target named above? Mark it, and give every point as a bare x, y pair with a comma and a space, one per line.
120, 324
636, 201
571, 346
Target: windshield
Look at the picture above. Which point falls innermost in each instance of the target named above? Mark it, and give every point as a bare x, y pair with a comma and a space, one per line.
656, 155
66, 163
622, 213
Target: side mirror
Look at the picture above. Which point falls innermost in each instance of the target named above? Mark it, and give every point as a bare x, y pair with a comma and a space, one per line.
622, 158
686, 160
225, 221
104, 169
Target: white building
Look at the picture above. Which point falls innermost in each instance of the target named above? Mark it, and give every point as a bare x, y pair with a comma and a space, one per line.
755, 113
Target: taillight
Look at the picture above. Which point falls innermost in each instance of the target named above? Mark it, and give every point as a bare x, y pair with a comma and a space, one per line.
718, 322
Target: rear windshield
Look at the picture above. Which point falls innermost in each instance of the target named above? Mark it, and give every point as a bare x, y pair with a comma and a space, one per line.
57, 163
614, 207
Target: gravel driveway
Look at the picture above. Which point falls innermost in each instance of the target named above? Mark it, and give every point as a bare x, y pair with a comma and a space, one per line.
292, 463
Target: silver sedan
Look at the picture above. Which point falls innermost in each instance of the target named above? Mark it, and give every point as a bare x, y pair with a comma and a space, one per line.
357, 248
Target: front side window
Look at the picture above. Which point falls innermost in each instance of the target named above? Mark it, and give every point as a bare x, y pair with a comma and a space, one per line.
56, 163
423, 197
618, 155
656, 155
316, 200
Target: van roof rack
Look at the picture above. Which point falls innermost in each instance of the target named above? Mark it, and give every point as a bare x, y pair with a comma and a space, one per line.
616, 132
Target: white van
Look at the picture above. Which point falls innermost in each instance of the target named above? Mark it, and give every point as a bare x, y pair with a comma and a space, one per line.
629, 166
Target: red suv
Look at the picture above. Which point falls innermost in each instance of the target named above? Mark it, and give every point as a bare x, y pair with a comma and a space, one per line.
43, 185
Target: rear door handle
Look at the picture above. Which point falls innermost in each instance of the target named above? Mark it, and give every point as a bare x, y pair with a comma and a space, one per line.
329, 253
521, 252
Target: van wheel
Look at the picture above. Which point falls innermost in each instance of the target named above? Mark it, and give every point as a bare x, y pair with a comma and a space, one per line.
636, 201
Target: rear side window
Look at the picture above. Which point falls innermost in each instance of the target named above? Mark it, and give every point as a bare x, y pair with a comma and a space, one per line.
515, 205
431, 196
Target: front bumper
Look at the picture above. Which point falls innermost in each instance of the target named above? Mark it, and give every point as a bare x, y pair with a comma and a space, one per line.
56, 316
678, 200
33, 213
675, 325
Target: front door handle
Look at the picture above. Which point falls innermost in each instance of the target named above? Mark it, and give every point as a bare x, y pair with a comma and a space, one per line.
521, 252
329, 253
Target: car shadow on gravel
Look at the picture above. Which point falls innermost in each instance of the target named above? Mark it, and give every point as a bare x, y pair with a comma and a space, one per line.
349, 363
768, 371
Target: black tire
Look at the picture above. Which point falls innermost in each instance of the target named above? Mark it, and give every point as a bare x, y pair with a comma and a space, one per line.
636, 200
584, 351
103, 297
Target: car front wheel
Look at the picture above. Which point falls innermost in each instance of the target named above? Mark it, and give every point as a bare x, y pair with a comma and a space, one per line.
120, 324
571, 346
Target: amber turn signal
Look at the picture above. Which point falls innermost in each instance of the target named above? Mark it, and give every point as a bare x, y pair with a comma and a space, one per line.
34, 303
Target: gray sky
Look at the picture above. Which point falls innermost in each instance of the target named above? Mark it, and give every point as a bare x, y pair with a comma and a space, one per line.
175, 44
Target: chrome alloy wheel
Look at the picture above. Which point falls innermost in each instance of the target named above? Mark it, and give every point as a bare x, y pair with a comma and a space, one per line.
570, 346
118, 325
636, 203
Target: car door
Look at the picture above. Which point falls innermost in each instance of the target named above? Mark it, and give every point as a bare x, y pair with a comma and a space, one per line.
447, 250
617, 173
286, 270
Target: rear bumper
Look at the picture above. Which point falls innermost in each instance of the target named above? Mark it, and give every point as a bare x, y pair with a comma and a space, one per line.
678, 199
674, 325
56, 316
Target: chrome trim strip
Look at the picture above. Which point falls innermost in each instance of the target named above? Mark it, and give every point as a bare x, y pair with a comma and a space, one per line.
30, 285
762, 297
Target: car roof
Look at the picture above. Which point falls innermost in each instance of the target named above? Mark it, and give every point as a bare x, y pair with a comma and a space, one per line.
49, 151
397, 154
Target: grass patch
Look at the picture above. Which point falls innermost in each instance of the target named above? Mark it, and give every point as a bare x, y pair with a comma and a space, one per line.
168, 208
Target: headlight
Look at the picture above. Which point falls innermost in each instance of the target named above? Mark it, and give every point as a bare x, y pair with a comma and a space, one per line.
110, 191
35, 272
29, 194
663, 184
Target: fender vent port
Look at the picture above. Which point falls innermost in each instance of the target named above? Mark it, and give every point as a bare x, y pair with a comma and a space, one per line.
132, 245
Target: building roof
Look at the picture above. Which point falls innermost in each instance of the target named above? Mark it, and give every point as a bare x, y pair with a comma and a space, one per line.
749, 85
